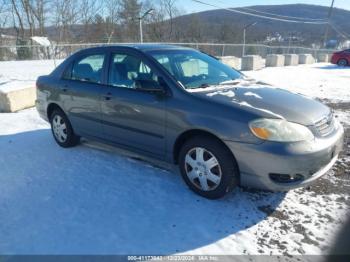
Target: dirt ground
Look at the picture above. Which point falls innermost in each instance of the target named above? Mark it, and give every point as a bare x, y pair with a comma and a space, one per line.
325, 187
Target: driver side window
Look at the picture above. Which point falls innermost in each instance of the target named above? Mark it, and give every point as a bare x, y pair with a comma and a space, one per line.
128, 71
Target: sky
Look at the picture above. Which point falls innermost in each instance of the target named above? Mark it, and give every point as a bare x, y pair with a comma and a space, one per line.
191, 6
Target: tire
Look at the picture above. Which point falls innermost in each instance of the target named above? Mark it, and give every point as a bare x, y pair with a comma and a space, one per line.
342, 62
62, 129
220, 179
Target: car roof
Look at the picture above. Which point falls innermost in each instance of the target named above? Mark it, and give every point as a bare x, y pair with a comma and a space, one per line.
147, 47
141, 47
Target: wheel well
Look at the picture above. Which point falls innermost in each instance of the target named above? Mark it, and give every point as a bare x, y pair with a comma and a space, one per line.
343, 58
181, 140
51, 108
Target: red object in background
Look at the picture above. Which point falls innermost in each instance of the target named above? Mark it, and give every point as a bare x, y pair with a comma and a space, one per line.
341, 58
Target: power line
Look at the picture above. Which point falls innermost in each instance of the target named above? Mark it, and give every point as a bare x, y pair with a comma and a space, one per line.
262, 16
284, 16
342, 33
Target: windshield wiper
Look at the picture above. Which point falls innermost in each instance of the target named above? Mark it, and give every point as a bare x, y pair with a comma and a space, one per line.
230, 82
237, 81
205, 85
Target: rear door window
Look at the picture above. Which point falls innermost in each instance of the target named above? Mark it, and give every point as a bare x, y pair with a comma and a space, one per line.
87, 69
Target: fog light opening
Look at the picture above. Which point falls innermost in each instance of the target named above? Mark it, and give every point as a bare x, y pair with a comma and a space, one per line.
285, 178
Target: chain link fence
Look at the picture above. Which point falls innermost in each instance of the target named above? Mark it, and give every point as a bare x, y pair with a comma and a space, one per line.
61, 51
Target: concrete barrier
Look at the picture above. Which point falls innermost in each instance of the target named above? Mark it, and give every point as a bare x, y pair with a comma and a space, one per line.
252, 62
330, 58
231, 61
291, 60
16, 100
323, 58
275, 60
306, 59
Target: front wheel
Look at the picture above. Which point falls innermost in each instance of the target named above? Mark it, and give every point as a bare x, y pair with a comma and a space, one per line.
342, 62
62, 130
208, 167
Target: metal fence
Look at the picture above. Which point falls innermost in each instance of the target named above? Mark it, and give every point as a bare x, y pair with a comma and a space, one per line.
61, 51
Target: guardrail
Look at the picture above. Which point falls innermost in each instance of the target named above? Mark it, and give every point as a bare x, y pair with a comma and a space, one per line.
61, 51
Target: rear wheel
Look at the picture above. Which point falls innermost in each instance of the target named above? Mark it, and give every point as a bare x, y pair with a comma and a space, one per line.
62, 129
208, 167
342, 62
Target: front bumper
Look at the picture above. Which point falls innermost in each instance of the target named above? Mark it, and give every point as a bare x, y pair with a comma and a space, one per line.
308, 161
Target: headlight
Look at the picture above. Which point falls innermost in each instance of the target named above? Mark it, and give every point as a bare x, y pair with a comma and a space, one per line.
279, 130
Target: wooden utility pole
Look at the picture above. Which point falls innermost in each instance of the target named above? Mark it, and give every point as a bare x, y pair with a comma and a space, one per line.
330, 11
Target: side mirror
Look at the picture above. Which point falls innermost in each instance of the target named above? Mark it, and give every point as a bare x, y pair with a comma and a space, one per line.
149, 86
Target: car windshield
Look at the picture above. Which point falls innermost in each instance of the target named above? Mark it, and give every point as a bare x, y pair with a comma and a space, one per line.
195, 69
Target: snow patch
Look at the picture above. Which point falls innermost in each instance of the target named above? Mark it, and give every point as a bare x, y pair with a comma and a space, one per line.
228, 93
244, 103
41, 40
252, 94
343, 117
15, 75
319, 80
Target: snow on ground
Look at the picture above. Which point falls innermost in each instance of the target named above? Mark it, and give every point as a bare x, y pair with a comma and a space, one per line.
96, 199
321, 80
21, 74
343, 117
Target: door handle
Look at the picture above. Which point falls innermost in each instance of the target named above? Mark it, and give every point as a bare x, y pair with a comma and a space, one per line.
108, 96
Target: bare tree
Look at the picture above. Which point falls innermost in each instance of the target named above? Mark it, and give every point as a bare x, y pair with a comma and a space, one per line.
94, 20
88, 9
17, 18
161, 25
156, 24
4, 13
129, 14
113, 9
26, 6
4, 16
194, 30
170, 8
39, 9
65, 14
29, 15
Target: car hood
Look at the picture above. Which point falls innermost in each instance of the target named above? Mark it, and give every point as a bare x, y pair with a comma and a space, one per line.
267, 101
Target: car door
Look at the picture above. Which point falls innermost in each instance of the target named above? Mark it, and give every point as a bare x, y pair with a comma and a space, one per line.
131, 116
81, 93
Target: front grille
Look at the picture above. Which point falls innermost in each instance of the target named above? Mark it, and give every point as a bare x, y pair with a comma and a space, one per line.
325, 126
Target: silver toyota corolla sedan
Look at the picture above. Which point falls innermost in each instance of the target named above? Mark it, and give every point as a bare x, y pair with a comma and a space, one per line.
185, 107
